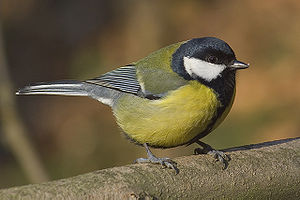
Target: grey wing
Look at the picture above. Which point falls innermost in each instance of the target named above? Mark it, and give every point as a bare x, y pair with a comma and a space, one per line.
106, 88
125, 79
122, 79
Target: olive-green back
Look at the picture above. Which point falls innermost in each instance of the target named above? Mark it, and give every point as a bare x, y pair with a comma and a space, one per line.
155, 74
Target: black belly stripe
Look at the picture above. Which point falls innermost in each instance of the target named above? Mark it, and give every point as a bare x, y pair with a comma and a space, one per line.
224, 88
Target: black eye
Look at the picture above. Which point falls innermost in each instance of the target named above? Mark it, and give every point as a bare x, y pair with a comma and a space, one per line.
212, 59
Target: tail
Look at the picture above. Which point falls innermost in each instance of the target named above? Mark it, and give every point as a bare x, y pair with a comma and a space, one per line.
66, 88
72, 88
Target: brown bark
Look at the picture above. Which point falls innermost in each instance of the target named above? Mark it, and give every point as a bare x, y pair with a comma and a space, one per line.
262, 171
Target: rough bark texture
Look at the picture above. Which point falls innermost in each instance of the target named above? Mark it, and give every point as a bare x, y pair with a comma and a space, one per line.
263, 171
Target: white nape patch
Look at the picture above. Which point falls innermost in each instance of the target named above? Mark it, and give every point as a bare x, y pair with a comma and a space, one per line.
207, 71
105, 101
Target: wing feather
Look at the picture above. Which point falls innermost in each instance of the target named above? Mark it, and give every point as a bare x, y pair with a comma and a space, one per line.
123, 79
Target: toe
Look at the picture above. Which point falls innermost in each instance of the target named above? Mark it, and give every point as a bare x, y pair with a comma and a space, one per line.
141, 160
220, 156
172, 165
198, 151
165, 162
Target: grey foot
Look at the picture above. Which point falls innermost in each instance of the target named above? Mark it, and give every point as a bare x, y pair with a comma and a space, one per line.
218, 155
165, 162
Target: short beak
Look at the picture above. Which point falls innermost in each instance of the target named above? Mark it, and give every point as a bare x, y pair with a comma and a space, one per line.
238, 65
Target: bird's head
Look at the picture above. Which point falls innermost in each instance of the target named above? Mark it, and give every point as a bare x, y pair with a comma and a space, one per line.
205, 58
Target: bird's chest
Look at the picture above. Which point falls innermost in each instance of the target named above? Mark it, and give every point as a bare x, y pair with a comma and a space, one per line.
170, 121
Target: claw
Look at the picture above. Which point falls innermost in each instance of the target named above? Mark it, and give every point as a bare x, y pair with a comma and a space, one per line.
165, 162
198, 151
218, 155
172, 165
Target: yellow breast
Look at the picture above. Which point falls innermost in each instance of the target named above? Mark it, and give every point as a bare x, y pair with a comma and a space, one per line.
170, 121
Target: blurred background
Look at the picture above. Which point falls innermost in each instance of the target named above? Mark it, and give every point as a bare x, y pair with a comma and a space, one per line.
68, 39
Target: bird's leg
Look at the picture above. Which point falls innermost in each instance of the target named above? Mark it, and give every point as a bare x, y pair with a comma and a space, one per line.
218, 155
166, 162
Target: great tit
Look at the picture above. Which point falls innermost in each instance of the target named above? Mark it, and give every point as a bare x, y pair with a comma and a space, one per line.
174, 96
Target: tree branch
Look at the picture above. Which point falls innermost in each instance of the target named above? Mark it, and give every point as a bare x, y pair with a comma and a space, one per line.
266, 171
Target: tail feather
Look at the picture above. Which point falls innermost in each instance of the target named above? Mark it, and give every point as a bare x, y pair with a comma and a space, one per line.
66, 88
72, 88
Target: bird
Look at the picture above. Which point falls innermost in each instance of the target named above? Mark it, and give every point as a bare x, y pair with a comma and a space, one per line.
174, 96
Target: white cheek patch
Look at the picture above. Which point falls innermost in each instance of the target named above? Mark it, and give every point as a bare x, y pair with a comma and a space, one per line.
202, 69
